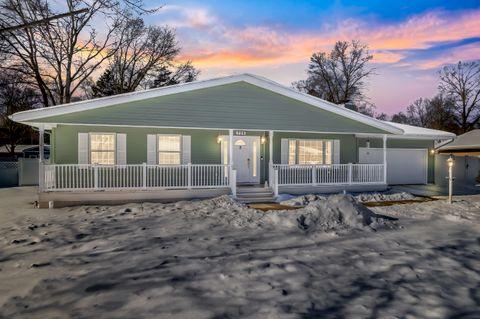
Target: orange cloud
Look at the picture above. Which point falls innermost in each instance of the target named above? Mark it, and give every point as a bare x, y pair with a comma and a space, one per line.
252, 46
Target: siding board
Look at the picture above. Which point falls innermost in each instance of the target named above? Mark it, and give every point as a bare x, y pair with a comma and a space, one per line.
238, 105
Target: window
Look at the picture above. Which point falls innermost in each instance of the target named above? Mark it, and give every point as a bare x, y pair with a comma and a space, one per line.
169, 149
310, 152
102, 148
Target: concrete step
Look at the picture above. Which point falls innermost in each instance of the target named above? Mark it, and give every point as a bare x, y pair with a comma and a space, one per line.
252, 195
256, 200
243, 190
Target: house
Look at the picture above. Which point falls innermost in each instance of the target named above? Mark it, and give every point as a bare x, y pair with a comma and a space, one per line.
213, 137
466, 151
23, 150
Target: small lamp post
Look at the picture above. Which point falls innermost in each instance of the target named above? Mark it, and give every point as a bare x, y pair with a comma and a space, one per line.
450, 162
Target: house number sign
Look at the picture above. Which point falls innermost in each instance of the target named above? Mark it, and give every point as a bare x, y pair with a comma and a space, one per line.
242, 133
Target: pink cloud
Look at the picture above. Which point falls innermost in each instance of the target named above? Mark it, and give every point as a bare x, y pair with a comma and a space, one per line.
268, 45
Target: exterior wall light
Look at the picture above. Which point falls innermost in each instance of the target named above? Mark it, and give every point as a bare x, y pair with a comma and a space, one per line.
432, 151
219, 139
263, 139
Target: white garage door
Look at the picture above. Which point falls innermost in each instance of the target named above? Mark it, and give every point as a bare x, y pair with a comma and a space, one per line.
404, 166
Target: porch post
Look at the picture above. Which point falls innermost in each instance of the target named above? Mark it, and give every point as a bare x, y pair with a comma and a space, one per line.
233, 175
230, 148
41, 142
41, 148
385, 158
270, 157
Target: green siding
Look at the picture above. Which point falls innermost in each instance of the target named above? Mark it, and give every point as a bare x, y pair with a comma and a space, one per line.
206, 150
238, 105
405, 143
204, 146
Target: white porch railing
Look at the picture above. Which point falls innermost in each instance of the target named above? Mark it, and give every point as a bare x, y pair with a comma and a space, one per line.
68, 177
335, 174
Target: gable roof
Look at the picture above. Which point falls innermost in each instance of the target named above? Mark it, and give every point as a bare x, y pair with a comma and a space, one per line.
56, 114
32, 116
467, 141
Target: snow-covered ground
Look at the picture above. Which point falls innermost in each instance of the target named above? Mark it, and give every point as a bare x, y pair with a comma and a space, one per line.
217, 259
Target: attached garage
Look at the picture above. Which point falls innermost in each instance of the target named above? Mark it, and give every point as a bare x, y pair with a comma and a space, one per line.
404, 166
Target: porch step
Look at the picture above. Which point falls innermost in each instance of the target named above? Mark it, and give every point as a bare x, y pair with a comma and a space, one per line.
253, 189
257, 200
255, 194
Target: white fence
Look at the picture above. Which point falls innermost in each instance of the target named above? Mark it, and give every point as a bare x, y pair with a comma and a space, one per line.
67, 177
335, 174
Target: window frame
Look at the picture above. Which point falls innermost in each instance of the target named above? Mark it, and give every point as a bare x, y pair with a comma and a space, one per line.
325, 142
180, 151
114, 147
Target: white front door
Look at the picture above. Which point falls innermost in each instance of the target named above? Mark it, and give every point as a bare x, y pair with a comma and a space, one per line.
246, 158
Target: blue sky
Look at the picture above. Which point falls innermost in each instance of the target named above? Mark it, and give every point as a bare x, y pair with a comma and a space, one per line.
410, 40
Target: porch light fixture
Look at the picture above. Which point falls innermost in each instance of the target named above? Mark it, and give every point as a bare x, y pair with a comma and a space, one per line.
450, 163
219, 139
263, 139
432, 151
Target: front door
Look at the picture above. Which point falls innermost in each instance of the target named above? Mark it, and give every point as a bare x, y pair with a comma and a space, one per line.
246, 159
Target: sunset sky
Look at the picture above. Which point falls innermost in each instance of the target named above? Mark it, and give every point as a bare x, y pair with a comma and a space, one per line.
410, 40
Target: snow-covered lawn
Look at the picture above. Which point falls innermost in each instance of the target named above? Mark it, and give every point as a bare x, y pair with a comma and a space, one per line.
218, 259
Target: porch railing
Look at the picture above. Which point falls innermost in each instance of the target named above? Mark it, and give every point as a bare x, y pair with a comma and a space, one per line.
67, 177
335, 174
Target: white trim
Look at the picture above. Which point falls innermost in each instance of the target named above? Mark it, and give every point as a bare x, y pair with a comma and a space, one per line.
446, 136
186, 87
285, 143
114, 147
180, 152
205, 128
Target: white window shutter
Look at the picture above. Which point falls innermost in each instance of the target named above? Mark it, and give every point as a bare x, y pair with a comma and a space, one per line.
82, 148
336, 151
121, 149
186, 149
284, 151
152, 149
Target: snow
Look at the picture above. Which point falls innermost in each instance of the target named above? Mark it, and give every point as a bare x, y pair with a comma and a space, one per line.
362, 197
219, 259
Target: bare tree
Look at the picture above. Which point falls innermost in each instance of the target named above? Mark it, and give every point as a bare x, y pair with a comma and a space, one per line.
143, 49
461, 83
60, 55
145, 59
165, 76
435, 113
418, 112
15, 96
338, 76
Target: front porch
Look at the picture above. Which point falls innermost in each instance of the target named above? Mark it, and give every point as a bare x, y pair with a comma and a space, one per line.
71, 184
243, 157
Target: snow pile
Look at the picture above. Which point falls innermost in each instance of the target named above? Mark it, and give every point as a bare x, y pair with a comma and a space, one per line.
302, 200
363, 198
333, 212
384, 197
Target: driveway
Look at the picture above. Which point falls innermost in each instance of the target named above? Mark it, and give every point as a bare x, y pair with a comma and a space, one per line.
437, 190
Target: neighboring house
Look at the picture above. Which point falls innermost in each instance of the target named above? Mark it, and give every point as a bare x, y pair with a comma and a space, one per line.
25, 151
466, 151
204, 138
